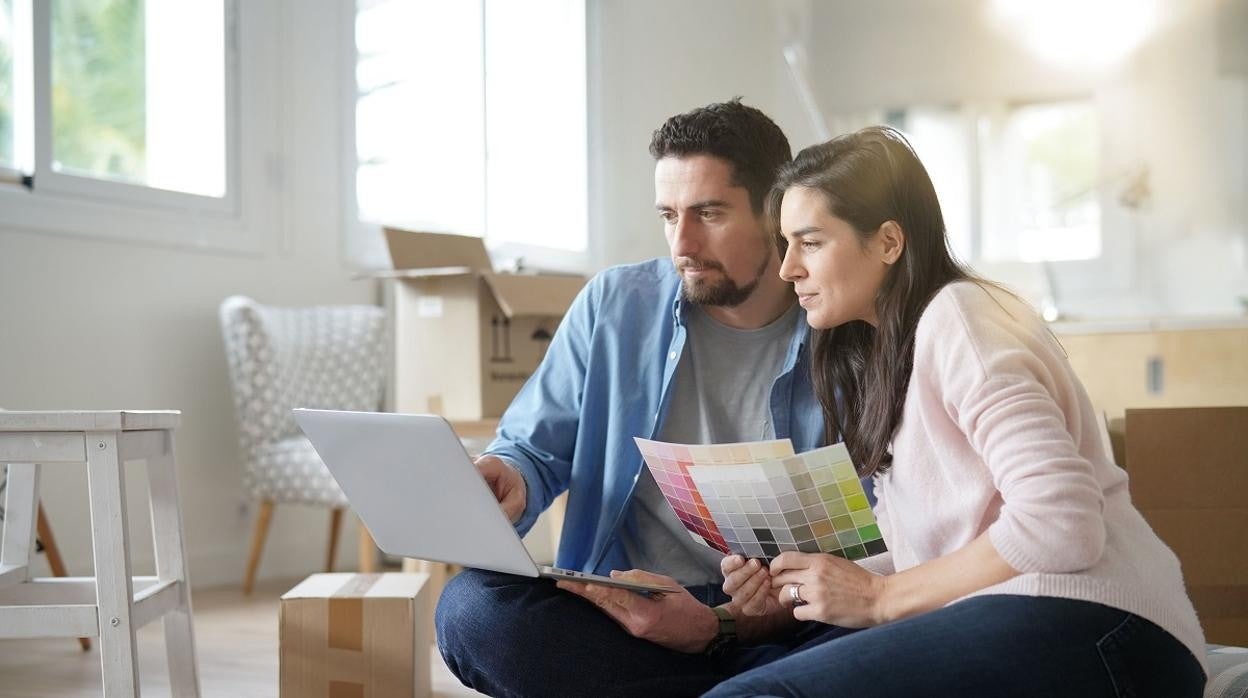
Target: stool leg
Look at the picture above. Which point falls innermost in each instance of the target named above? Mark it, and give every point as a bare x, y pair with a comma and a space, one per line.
335, 523
367, 551
54, 559
170, 549
114, 588
438, 573
21, 497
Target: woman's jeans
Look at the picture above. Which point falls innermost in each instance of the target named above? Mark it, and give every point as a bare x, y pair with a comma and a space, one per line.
988, 646
505, 635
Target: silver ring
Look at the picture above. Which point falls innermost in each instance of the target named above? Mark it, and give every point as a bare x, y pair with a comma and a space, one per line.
796, 597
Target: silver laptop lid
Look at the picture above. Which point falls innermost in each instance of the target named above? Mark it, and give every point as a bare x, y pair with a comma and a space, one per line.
410, 480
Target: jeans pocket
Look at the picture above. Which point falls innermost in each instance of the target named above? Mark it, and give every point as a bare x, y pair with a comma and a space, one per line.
1113, 647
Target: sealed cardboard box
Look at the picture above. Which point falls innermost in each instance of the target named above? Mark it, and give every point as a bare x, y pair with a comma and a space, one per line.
466, 337
1189, 477
355, 636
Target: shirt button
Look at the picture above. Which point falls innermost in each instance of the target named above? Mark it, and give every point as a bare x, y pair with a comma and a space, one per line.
671, 356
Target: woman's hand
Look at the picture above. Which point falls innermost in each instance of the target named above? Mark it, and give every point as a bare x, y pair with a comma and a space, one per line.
835, 590
748, 582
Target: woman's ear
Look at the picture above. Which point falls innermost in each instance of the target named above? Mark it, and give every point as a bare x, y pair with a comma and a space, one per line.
891, 240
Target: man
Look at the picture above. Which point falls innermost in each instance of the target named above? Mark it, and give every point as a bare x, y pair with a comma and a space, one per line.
707, 347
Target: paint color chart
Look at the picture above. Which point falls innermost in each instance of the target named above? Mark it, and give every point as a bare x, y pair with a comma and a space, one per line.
759, 499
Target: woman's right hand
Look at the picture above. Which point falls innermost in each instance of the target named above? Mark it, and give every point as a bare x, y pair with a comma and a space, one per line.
748, 582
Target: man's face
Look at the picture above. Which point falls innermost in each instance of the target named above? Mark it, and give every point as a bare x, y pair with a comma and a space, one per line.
716, 241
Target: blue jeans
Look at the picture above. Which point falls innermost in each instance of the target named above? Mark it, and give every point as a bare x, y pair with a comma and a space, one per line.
988, 646
505, 635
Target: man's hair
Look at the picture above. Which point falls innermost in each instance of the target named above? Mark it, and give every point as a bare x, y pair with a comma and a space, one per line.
743, 136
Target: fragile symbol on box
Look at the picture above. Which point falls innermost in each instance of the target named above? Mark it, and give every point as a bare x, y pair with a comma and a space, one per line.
500, 336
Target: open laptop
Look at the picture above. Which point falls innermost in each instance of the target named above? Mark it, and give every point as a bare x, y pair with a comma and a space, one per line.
411, 481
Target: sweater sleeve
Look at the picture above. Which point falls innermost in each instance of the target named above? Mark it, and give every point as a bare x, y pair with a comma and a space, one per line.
1003, 381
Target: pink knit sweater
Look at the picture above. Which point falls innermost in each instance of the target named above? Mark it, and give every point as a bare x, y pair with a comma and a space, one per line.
999, 435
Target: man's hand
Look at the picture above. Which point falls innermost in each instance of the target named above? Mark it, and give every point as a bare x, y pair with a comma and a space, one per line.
676, 620
748, 582
507, 485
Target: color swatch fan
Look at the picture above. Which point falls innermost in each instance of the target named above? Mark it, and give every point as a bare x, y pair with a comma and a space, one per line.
758, 499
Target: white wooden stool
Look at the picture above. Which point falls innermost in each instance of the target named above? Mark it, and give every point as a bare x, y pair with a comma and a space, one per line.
111, 605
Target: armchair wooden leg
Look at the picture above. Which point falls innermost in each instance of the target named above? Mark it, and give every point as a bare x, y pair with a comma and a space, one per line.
257, 543
335, 523
368, 550
54, 558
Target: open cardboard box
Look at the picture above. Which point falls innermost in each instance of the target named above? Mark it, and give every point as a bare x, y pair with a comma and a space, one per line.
466, 337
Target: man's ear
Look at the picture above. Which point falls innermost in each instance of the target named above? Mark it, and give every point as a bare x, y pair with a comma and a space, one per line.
891, 241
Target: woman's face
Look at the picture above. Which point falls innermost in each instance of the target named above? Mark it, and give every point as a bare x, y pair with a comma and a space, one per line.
835, 273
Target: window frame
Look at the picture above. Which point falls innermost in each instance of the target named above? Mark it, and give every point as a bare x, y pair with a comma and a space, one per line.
82, 205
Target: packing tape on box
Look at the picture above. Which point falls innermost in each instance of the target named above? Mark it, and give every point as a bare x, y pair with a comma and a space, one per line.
346, 612
346, 626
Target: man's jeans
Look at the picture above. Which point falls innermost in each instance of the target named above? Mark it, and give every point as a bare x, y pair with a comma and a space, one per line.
989, 646
505, 635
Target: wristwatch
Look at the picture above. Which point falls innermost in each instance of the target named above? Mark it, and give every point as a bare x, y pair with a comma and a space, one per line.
726, 638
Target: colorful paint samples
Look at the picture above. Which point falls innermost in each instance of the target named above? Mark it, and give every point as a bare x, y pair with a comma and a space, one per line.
758, 499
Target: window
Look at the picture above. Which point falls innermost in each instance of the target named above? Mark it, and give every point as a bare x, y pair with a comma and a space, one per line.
419, 115
470, 118
536, 139
1043, 202
1015, 183
8, 160
118, 100
943, 140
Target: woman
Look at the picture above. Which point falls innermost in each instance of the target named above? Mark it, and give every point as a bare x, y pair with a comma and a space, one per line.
1017, 564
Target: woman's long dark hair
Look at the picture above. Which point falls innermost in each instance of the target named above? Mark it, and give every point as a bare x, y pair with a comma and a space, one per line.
861, 372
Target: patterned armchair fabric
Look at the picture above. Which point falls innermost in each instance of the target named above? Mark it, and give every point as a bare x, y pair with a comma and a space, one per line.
328, 357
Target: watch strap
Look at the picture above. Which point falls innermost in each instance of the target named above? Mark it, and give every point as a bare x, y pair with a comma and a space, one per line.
726, 636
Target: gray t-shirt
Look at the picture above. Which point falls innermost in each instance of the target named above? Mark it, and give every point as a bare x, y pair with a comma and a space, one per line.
721, 393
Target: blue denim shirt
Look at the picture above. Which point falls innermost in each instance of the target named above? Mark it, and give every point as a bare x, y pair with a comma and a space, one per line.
607, 378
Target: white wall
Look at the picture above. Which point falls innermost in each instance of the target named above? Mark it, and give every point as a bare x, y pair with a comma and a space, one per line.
651, 59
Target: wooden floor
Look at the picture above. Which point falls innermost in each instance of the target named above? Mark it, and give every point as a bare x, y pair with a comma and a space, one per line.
237, 647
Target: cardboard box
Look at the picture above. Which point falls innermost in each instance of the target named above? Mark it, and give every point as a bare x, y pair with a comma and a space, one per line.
1189, 477
355, 636
467, 337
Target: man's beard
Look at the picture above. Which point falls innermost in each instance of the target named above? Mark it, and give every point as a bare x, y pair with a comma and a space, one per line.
723, 291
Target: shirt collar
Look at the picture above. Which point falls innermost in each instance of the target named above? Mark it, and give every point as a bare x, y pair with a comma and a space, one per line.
801, 333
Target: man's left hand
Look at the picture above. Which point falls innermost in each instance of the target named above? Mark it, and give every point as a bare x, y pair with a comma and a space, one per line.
674, 620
